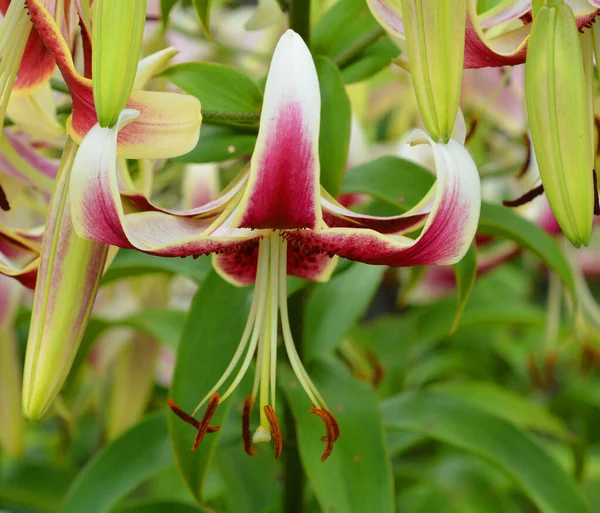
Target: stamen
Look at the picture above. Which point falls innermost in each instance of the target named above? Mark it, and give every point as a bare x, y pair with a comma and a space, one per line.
4, 204
473, 127
526, 198
275, 431
204, 424
596, 200
246, 431
378, 370
186, 417
332, 429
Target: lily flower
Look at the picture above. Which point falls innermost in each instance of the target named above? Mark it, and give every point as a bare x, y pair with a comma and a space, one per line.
275, 220
497, 37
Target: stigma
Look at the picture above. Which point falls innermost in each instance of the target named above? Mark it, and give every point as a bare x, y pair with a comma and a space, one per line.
260, 339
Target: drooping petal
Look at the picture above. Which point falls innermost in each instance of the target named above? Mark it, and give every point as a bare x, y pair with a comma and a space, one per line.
35, 114
448, 231
152, 65
283, 188
239, 267
98, 212
337, 216
69, 276
200, 184
168, 124
36, 66
19, 257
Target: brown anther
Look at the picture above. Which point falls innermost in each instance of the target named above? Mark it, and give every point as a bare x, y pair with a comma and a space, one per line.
275, 431
596, 200
4, 204
204, 423
332, 430
525, 166
186, 417
526, 198
246, 432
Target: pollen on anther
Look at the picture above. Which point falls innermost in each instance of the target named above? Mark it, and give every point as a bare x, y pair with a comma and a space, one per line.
275, 431
204, 423
4, 204
186, 417
332, 429
246, 431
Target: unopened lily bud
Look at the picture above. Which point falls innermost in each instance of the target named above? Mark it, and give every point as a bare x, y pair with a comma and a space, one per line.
558, 107
117, 41
435, 42
67, 283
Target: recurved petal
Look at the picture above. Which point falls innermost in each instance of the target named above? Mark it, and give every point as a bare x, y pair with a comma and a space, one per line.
98, 213
283, 187
448, 231
69, 276
510, 47
19, 257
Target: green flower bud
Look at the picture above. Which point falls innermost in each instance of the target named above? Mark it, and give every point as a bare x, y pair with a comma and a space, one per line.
558, 107
117, 42
435, 42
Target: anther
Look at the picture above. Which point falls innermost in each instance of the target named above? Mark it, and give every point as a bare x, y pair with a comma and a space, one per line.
275, 431
332, 430
246, 432
204, 423
4, 204
526, 198
188, 418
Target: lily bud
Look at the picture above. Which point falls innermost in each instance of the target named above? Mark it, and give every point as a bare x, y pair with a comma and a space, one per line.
68, 278
435, 42
558, 107
117, 41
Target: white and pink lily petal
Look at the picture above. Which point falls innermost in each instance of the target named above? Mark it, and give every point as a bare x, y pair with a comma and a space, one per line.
497, 37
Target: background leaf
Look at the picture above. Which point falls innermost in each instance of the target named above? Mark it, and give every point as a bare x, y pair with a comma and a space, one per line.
235, 92
137, 454
334, 134
454, 421
334, 307
357, 476
465, 272
219, 143
203, 10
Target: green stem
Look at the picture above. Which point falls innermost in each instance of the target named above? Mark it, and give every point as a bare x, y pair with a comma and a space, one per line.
294, 481
248, 120
300, 18
354, 50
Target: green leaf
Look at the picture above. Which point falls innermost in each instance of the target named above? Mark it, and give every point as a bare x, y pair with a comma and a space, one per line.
129, 263
159, 507
166, 6
349, 35
462, 424
334, 135
218, 87
507, 404
502, 222
357, 476
120, 467
39, 487
210, 336
465, 272
219, 143
334, 307
396, 181
203, 10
